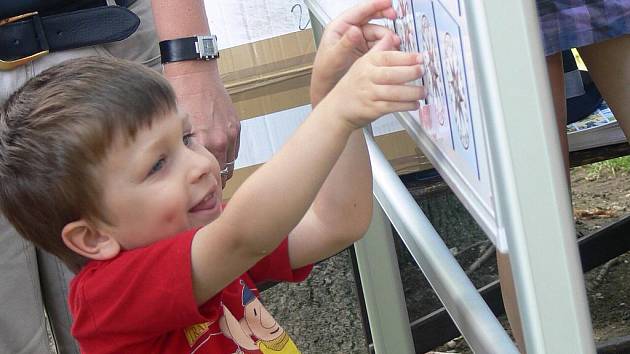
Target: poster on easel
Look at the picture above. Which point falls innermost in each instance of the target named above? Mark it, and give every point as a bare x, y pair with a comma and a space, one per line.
456, 82
450, 116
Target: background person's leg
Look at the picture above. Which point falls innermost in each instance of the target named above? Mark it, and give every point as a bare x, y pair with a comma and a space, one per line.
23, 271
55, 279
555, 72
608, 63
22, 320
508, 293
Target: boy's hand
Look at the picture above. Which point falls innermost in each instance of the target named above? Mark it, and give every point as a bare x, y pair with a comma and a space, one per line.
345, 40
377, 84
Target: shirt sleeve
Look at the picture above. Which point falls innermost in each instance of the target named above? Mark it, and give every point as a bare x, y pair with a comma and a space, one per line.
142, 292
277, 267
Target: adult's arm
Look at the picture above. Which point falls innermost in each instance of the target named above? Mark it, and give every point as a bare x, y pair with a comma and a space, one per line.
197, 83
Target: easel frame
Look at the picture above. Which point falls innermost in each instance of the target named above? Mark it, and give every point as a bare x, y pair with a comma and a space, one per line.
531, 191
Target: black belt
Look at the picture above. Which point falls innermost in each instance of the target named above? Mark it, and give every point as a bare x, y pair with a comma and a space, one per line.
26, 37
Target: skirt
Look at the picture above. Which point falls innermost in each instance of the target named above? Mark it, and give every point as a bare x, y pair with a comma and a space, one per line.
567, 24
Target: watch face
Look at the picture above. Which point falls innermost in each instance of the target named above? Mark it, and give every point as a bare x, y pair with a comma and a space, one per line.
207, 47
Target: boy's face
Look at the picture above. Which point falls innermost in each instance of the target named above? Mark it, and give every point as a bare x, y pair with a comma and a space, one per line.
160, 183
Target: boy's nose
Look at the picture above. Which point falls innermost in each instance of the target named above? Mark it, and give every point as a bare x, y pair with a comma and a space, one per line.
201, 166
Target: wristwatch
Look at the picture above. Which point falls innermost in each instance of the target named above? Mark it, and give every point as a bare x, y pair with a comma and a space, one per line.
189, 48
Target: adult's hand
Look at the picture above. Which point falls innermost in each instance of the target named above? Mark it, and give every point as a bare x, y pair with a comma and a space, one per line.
197, 84
200, 92
352, 34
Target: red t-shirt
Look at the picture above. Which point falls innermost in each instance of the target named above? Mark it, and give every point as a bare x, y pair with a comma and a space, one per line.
142, 302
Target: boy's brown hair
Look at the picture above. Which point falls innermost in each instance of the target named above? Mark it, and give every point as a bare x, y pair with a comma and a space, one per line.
54, 133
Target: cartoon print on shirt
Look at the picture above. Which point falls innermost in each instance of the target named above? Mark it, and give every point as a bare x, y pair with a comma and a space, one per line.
196, 331
257, 330
232, 329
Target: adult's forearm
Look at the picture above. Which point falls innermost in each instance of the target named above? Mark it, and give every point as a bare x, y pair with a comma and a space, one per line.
182, 18
179, 18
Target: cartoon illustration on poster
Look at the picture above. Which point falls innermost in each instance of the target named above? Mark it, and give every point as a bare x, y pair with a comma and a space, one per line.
436, 121
449, 41
405, 27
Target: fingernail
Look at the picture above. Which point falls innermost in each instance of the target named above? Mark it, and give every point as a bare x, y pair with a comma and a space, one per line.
419, 58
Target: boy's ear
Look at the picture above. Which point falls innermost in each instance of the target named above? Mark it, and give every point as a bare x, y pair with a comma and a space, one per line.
83, 238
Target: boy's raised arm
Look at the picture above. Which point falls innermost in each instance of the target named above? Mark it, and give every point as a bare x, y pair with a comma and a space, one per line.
270, 204
342, 211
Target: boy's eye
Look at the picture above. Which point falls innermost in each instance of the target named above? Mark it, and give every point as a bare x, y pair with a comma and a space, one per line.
157, 166
188, 139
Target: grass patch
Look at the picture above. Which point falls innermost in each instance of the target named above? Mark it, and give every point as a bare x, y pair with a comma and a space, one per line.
609, 167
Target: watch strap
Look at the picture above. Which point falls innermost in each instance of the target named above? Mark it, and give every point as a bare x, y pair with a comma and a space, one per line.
189, 48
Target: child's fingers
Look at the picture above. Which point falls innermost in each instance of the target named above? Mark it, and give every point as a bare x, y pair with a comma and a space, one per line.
408, 106
393, 58
391, 75
399, 93
351, 39
367, 11
386, 43
373, 32
395, 44
390, 107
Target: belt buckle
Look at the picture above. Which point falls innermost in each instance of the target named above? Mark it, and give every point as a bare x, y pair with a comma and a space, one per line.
12, 64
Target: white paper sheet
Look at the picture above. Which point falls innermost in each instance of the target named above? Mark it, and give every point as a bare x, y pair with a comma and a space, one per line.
237, 22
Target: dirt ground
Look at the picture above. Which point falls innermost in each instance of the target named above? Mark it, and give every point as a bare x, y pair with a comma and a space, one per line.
322, 314
609, 290
599, 199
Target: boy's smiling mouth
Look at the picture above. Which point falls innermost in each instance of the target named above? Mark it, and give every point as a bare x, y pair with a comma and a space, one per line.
209, 202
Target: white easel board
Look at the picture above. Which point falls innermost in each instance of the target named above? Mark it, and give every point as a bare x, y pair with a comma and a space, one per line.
449, 127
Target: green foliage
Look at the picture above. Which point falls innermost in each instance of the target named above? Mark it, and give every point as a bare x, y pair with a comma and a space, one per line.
612, 167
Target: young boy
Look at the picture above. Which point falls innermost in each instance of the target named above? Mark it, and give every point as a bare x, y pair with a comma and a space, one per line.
99, 167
